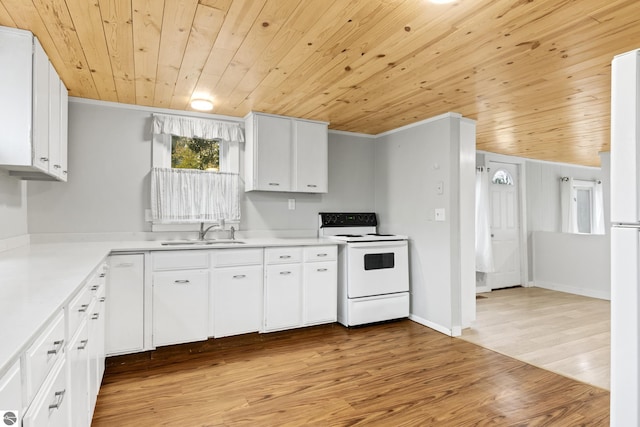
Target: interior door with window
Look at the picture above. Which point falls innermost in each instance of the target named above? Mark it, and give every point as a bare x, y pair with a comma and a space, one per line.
505, 225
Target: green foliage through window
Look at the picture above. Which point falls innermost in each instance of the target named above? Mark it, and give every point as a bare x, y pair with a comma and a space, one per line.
195, 153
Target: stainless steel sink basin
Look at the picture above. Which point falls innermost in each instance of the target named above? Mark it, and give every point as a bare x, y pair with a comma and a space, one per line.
202, 242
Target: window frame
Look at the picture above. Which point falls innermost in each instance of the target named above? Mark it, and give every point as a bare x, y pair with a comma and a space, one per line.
579, 184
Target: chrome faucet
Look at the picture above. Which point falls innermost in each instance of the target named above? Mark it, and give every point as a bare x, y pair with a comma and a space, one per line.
203, 231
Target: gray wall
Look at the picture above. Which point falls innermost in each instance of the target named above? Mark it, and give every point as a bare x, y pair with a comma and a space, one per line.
13, 206
108, 188
409, 164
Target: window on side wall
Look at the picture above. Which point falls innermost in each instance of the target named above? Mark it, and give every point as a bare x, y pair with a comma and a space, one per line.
584, 205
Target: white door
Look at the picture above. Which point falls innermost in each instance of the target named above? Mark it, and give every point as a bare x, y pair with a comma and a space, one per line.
505, 225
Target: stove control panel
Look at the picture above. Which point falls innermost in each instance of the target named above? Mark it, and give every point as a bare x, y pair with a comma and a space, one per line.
348, 219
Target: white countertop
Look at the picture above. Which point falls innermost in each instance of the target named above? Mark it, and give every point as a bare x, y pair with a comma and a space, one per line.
37, 280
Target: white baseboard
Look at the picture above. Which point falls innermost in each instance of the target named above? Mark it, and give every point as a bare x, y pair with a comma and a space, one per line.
14, 242
481, 289
436, 327
593, 293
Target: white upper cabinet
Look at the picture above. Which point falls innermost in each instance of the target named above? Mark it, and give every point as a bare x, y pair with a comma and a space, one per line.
33, 110
285, 154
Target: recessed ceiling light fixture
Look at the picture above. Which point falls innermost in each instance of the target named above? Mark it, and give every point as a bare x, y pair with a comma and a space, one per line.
202, 104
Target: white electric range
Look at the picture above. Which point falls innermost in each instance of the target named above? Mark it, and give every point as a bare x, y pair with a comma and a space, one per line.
373, 268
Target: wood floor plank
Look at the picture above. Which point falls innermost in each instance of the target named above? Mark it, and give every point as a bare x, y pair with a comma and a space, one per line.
399, 374
565, 333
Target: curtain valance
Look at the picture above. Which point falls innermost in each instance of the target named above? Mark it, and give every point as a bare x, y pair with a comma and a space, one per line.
192, 127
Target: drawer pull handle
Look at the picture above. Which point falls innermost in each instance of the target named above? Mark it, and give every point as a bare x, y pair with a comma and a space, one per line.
285, 256
321, 269
103, 299
95, 287
311, 185
65, 172
102, 275
57, 346
125, 264
44, 159
322, 255
274, 183
83, 308
239, 276
57, 166
95, 316
284, 273
59, 398
83, 344
181, 281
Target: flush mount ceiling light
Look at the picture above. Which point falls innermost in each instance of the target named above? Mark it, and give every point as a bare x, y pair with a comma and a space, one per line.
202, 104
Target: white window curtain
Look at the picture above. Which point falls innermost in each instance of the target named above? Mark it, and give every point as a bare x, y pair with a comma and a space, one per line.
192, 196
192, 127
598, 209
568, 218
484, 250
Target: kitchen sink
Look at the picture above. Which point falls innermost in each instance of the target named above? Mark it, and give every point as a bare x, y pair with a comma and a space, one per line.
202, 242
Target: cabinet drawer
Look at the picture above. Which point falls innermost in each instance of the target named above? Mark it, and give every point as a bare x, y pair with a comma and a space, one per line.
77, 309
180, 260
43, 353
51, 405
320, 253
233, 257
283, 255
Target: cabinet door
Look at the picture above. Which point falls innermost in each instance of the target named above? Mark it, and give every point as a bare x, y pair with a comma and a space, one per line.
78, 354
311, 158
40, 108
64, 126
320, 292
11, 391
283, 296
55, 168
273, 144
180, 306
125, 304
237, 300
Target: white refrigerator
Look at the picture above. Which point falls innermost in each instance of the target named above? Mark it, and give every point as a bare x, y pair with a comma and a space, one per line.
625, 240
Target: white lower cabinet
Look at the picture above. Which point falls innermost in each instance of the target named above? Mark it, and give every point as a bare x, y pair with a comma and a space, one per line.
283, 293
50, 407
96, 347
236, 300
11, 393
125, 310
320, 292
78, 359
180, 306
302, 291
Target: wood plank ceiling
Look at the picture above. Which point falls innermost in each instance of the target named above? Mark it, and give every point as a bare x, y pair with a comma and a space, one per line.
535, 74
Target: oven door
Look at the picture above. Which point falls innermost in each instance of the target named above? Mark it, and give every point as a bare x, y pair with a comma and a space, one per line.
377, 268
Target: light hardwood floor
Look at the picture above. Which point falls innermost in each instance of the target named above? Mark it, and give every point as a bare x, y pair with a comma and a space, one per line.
394, 374
564, 333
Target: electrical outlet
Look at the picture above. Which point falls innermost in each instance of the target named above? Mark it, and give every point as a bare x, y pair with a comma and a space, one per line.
440, 214
292, 204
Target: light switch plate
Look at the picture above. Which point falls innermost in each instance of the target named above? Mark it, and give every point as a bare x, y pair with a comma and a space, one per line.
440, 187
440, 214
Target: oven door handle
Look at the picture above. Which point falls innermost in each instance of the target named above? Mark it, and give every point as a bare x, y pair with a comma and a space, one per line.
379, 245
